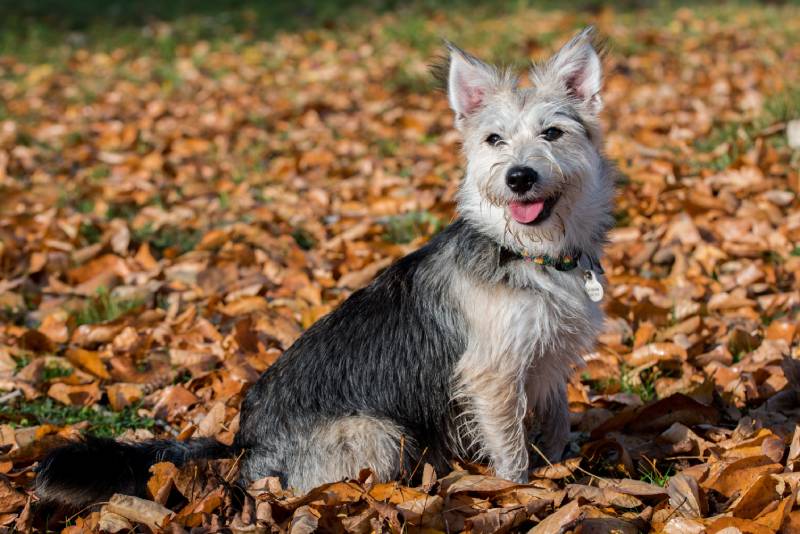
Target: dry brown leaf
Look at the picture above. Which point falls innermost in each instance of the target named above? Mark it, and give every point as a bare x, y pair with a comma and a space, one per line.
558, 471
161, 481
193, 514
555, 522
244, 306
423, 511
78, 395
394, 493
602, 496
139, 510
636, 488
499, 520
111, 522
734, 477
212, 423
88, 361
729, 525
361, 523
682, 525
10, 499
655, 352
686, 497
174, 399
480, 484
123, 394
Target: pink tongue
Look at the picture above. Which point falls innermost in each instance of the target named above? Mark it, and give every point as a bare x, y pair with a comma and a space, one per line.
526, 212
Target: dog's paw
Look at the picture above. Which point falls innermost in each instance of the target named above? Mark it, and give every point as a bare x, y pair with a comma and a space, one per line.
520, 477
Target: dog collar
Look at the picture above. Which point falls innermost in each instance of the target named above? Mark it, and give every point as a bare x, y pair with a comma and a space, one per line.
565, 262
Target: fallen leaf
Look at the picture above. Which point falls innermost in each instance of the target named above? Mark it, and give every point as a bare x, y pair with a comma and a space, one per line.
733, 477
78, 395
138, 510
161, 481
555, 522
685, 496
10, 499
88, 361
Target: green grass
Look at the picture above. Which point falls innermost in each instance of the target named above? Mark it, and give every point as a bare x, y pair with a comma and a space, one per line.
622, 218
179, 240
643, 386
90, 232
21, 360
790, 314
407, 227
15, 316
652, 474
102, 422
53, 371
304, 239
388, 147
46, 30
123, 210
103, 307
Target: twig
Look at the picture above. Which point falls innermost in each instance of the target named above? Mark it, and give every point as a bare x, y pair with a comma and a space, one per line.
540, 453
421, 456
10, 396
778, 127
578, 467
226, 478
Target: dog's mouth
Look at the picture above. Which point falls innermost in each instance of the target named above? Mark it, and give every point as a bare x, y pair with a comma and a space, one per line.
532, 212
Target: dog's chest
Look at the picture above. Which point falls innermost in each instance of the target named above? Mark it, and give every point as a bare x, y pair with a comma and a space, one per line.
510, 329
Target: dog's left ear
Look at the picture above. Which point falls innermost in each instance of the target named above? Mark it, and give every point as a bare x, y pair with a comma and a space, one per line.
576, 69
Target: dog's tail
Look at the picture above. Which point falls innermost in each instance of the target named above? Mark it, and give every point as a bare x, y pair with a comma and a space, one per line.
92, 469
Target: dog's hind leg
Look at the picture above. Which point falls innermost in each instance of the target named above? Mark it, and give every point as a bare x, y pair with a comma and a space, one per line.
340, 448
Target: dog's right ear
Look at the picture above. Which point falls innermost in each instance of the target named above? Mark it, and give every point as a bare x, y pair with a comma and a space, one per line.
469, 81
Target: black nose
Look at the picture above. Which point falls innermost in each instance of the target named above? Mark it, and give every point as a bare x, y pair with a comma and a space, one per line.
521, 179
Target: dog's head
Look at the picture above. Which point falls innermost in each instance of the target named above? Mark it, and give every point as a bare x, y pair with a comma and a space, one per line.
536, 178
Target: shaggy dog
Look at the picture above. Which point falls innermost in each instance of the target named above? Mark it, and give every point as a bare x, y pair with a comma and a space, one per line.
458, 350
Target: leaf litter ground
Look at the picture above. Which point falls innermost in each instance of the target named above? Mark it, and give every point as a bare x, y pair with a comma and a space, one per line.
175, 211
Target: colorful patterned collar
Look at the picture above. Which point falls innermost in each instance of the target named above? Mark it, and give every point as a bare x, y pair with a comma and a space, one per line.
565, 262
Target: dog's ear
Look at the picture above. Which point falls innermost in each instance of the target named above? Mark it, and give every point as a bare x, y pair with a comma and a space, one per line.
575, 69
469, 81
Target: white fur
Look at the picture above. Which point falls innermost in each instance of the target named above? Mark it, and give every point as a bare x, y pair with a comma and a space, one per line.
341, 448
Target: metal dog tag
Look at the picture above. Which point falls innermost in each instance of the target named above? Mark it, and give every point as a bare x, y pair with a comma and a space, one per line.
592, 286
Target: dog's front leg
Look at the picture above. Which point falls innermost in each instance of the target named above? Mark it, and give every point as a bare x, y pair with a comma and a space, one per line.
498, 413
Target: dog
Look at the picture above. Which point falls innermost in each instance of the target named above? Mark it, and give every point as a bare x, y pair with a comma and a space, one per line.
459, 350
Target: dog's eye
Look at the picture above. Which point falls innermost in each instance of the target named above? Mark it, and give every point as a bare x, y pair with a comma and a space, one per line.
494, 139
551, 134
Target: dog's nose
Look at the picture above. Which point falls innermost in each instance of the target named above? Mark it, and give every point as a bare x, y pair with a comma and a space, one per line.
521, 179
